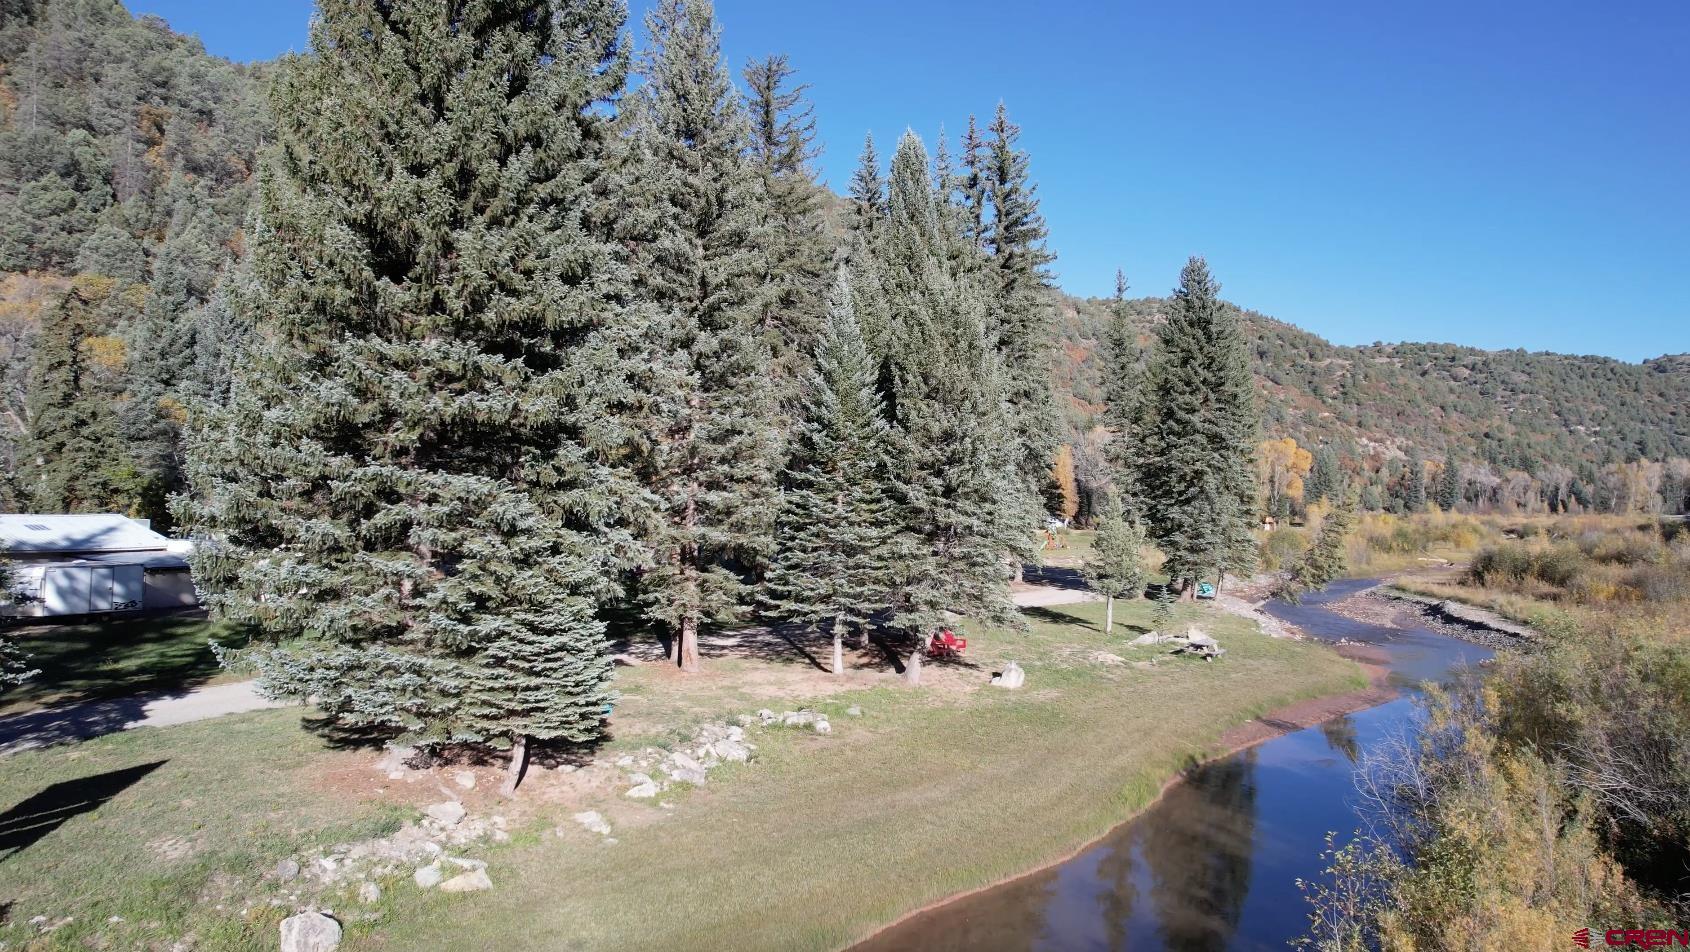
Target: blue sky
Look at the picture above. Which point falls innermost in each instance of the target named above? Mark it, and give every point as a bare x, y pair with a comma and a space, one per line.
1493, 174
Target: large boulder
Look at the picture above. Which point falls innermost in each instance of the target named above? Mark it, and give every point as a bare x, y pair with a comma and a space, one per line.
1012, 677
310, 932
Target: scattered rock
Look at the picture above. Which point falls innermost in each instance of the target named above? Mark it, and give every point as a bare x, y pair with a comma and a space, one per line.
594, 821
451, 812
821, 726
626, 760
465, 779
730, 749
766, 716
464, 862
644, 791
694, 777
853, 711
310, 932
369, 893
428, 877
396, 759
1144, 640
473, 881
798, 718
396, 775
285, 870
1012, 677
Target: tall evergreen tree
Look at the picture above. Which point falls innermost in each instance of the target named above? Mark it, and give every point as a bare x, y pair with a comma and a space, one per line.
1193, 471
408, 489
867, 192
1024, 313
708, 413
797, 251
1449, 485
833, 555
1326, 478
966, 507
73, 457
1121, 385
1414, 481
976, 182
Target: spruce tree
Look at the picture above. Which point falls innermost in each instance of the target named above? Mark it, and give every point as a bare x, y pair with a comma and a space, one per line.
1116, 566
1449, 485
1326, 478
966, 507
1193, 471
14, 664
833, 554
975, 183
1024, 312
867, 192
1414, 481
1121, 387
796, 249
73, 458
1326, 558
698, 217
408, 492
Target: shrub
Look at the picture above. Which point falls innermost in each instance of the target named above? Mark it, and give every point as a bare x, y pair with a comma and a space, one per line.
1282, 547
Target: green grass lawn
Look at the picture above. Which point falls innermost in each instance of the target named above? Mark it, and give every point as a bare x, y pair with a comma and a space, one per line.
161, 826
83, 662
825, 838
934, 790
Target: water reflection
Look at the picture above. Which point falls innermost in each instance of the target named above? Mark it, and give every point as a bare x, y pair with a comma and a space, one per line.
1214, 863
1199, 855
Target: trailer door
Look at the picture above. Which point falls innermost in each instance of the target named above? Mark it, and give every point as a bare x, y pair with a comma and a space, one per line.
126, 588
99, 590
64, 590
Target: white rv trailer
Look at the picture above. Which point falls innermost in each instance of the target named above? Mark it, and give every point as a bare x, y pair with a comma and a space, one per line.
90, 565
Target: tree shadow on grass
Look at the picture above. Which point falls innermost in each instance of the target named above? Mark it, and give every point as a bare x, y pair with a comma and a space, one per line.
1054, 576
27, 823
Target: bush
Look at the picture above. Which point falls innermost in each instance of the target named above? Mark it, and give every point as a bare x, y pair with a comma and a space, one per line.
1282, 547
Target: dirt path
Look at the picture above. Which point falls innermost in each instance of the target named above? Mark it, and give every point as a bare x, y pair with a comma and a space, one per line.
56, 725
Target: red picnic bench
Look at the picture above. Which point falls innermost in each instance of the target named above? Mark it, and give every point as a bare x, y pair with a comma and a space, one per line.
946, 644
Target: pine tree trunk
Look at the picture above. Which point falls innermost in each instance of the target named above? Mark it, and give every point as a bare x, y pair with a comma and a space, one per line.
1108, 614
912, 671
1188, 590
838, 646
518, 764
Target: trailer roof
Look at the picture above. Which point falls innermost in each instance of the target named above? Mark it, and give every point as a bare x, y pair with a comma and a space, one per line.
55, 534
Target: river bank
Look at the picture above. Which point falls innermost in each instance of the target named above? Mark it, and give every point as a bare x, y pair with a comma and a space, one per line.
1218, 851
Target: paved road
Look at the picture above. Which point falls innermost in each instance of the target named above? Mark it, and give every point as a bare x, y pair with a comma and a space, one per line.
55, 725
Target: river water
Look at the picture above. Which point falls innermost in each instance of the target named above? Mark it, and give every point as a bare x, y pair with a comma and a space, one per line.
1214, 863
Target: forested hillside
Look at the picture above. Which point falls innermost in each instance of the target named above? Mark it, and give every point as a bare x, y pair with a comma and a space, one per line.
127, 159
128, 164
1553, 417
